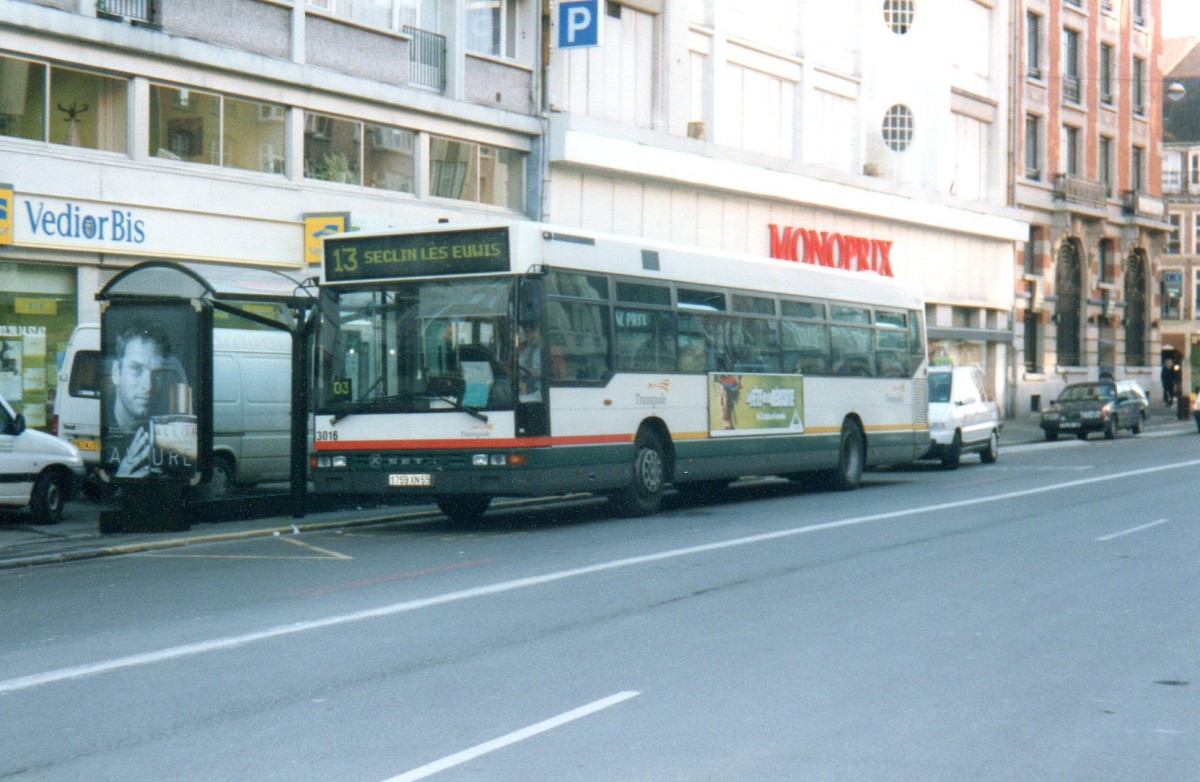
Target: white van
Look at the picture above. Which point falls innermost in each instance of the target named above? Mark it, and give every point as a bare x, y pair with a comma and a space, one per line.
963, 416
35, 469
252, 392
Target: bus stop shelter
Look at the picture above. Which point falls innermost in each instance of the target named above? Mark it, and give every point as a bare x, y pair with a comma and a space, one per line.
156, 299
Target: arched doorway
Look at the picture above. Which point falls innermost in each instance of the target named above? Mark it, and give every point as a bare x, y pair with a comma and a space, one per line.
1069, 289
1135, 309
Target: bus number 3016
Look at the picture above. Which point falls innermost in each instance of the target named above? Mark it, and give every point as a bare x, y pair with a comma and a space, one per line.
326, 436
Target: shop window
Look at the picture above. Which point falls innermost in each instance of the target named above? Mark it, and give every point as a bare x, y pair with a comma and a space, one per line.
1171, 287
37, 314
332, 149
204, 127
87, 110
473, 172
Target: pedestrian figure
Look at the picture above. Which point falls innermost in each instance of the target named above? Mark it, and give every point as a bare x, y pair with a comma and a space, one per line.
1168, 381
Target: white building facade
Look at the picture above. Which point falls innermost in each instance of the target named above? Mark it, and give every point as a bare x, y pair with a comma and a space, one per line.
723, 123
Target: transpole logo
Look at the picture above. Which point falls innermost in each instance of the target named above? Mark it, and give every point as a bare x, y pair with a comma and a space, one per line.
662, 385
657, 395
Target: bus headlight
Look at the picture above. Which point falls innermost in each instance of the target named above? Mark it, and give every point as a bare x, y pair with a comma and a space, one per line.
329, 461
338, 461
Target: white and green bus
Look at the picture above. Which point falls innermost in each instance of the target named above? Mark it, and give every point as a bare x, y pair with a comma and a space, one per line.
466, 363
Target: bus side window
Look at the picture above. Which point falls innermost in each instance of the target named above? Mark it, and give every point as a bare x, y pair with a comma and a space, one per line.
806, 348
578, 337
852, 351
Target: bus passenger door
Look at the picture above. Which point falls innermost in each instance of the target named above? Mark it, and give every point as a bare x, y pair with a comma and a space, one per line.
532, 412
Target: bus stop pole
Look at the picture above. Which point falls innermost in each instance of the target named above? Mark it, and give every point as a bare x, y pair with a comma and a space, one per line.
301, 342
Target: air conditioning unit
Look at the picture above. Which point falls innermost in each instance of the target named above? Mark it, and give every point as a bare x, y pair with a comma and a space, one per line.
316, 125
270, 113
391, 139
695, 129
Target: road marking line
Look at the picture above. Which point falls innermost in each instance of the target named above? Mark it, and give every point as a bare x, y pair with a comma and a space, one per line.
1131, 530
318, 549
230, 642
458, 758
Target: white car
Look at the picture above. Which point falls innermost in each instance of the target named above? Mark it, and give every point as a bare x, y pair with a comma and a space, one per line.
963, 416
36, 469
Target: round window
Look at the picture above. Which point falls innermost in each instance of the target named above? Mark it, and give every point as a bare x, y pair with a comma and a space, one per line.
898, 127
898, 15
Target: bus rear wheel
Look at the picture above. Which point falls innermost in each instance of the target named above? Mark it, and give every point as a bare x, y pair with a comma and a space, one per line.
643, 496
463, 508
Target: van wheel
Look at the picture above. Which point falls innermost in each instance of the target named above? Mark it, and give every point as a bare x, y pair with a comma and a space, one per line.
643, 496
219, 485
953, 454
47, 499
991, 453
463, 508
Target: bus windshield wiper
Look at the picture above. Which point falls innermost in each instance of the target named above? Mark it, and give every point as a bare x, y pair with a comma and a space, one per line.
454, 403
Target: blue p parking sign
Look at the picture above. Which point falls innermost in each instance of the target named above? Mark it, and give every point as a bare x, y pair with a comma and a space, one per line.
580, 23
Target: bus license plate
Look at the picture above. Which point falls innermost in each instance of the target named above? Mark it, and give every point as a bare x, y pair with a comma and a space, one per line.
410, 479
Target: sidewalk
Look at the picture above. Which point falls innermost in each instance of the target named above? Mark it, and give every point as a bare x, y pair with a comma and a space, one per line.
78, 537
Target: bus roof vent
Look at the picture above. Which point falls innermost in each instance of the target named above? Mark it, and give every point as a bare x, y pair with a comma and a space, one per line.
650, 260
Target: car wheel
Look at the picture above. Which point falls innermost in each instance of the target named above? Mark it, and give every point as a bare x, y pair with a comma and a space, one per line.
953, 454
991, 453
1110, 429
1051, 436
47, 499
643, 496
1137, 424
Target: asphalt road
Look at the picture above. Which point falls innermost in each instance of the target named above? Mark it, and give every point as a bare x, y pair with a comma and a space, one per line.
1029, 620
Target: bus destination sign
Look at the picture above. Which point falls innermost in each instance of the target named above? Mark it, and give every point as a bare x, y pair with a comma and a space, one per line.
476, 251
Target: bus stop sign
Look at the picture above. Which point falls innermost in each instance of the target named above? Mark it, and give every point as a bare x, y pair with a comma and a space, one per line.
580, 23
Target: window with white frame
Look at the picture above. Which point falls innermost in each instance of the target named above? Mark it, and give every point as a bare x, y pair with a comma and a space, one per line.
1033, 147
1174, 236
1105, 155
1070, 65
1195, 232
1106, 74
1137, 84
468, 171
1033, 45
492, 27
220, 130
1195, 294
897, 127
385, 14
1194, 168
1070, 150
83, 109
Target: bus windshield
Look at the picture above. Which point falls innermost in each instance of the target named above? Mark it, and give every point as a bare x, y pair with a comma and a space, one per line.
417, 346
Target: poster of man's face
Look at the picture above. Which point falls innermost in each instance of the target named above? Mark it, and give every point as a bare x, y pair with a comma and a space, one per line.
148, 422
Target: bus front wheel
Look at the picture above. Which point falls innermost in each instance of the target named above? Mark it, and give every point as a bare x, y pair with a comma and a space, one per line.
851, 447
643, 496
463, 508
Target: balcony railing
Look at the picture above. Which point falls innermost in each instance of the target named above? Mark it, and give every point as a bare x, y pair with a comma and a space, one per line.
137, 11
1134, 203
1077, 190
1173, 182
426, 58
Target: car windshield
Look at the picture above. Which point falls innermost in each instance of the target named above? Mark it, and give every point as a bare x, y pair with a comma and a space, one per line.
1084, 392
939, 386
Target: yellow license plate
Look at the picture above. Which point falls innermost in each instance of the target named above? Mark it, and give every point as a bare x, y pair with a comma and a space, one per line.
86, 445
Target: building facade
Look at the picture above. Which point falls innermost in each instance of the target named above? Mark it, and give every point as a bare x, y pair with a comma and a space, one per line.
1179, 275
237, 132
1086, 169
729, 123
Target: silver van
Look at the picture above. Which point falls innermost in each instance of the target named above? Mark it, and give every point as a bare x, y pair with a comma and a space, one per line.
35, 469
252, 392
